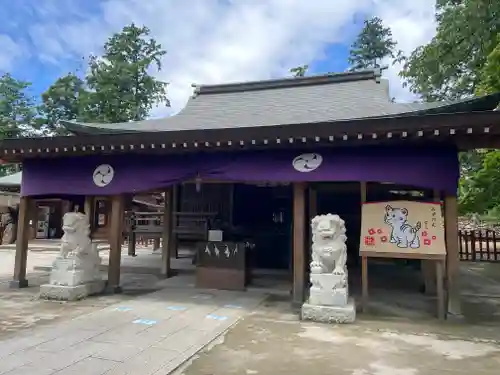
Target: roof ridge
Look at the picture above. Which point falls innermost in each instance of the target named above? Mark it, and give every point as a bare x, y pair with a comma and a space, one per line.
329, 78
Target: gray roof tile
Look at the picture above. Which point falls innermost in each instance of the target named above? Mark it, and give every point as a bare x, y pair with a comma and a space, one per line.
326, 98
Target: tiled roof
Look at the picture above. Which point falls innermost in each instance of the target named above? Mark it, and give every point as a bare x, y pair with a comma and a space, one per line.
325, 98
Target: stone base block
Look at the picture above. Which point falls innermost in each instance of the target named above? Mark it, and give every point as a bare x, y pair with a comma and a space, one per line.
16, 284
113, 289
71, 293
75, 271
329, 314
322, 297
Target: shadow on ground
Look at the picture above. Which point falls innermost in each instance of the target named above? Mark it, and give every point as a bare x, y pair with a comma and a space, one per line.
20, 309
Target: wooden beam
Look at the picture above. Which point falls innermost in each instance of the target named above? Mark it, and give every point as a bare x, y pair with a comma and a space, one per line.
299, 242
452, 255
115, 242
15, 150
21, 257
167, 233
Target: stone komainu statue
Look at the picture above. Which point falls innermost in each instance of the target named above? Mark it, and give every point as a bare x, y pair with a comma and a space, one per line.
329, 251
75, 240
329, 291
78, 261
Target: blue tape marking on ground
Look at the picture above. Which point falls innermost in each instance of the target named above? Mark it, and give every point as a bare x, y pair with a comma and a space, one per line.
203, 296
216, 317
145, 321
177, 308
230, 306
123, 309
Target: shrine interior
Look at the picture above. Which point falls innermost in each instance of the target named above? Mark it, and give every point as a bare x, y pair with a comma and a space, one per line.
261, 214
258, 214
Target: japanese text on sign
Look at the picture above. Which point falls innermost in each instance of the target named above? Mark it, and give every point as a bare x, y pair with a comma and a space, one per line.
402, 227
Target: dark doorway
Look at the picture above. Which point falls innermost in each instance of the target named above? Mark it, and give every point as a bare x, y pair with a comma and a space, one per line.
343, 199
263, 214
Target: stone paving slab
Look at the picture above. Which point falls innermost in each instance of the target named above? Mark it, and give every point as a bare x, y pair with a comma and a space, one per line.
150, 335
273, 341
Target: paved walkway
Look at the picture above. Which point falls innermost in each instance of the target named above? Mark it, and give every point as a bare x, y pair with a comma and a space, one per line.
152, 334
272, 341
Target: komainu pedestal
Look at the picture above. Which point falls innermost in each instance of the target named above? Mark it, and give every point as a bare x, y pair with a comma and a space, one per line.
76, 270
329, 300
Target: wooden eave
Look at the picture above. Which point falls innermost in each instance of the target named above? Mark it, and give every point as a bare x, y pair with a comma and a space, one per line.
389, 129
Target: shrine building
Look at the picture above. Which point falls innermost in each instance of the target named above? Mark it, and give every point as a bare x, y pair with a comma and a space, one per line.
256, 161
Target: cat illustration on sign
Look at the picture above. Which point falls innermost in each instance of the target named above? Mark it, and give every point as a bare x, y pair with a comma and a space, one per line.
403, 233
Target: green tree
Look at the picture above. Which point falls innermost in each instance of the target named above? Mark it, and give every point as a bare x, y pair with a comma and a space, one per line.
17, 110
61, 101
449, 66
489, 76
299, 71
373, 43
120, 85
17, 113
480, 190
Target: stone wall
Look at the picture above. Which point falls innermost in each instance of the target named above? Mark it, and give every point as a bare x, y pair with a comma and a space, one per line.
474, 223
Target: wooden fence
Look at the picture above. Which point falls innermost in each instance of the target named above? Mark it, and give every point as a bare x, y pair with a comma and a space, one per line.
482, 245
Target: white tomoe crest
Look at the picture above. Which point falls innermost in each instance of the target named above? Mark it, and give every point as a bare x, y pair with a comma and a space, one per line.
103, 175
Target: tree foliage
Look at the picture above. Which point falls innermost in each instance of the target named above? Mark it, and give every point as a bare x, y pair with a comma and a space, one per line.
449, 66
489, 76
480, 190
299, 71
17, 111
462, 60
62, 101
373, 44
120, 85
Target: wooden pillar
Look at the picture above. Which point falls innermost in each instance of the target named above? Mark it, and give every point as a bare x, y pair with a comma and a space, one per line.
428, 266
173, 242
166, 234
65, 207
19, 277
299, 242
452, 255
313, 203
115, 242
131, 243
364, 259
88, 208
132, 238
156, 243
312, 212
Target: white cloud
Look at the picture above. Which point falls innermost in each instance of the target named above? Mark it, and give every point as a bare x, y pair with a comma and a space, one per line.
9, 52
216, 41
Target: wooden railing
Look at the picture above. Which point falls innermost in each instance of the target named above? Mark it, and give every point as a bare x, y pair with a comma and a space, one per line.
148, 226
482, 245
192, 225
144, 227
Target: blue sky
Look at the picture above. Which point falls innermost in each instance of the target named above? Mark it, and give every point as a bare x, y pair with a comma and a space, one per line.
208, 41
